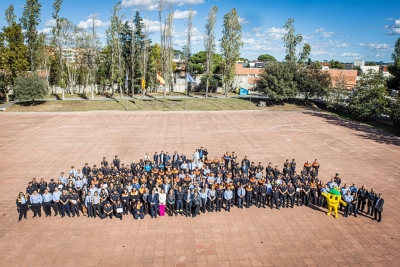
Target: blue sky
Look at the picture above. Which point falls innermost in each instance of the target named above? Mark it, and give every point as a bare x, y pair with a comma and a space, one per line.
340, 30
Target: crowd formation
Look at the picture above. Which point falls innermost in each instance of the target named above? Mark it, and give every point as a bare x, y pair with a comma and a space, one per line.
175, 184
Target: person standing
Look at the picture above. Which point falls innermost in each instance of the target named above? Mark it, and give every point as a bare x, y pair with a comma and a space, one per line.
211, 198
22, 205
64, 201
118, 209
179, 201
274, 198
36, 201
362, 198
89, 204
378, 207
290, 194
219, 198
74, 199
56, 201
96, 205
348, 199
228, 197
371, 196
188, 198
171, 203
162, 197
47, 199
153, 202
241, 195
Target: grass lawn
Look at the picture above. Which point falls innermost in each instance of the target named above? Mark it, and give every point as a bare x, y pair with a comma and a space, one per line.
149, 104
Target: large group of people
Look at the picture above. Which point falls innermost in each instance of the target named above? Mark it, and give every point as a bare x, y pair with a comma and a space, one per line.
173, 185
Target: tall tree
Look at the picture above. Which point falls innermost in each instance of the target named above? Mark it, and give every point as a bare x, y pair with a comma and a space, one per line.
10, 16
188, 47
312, 81
13, 58
369, 96
43, 52
338, 93
30, 20
291, 40
209, 43
231, 43
394, 68
266, 58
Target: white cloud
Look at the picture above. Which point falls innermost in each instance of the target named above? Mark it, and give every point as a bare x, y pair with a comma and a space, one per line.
361, 44
151, 26
259, 34
275, 36
89, 23
249, 41
153, 4
379, 47
46, 30
50, 23
318, 30
179, 42
323, 33
276, 30
327, 34
257, 29
183, 14
393, 29
349, 55
378, 55
243, 20
343, 45
317, 53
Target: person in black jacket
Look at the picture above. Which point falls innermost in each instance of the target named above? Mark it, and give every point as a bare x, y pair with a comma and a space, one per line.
22, 205
371, 197
378, 207
362, 198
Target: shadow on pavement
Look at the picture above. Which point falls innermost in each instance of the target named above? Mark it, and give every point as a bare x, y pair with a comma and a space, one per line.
363, 131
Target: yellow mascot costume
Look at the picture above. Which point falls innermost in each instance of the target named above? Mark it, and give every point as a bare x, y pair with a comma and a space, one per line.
333, 198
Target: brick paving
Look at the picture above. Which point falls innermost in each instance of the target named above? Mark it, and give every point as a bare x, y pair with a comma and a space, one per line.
44, 144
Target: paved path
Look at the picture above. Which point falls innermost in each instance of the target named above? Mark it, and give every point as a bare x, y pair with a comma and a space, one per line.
44, 144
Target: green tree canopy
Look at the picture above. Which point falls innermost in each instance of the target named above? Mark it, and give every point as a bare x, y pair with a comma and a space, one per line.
334, 64
312, 81
267, 58
369, 96
394, 68
30, 88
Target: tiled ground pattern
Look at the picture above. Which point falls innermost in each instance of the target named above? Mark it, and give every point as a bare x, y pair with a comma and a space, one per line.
43, 144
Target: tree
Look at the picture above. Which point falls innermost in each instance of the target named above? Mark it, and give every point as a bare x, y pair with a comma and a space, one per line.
277, 80
13, 58
359, 70
338, 93
394, 68
266, 58
10, 16
370, 63
30, 88
291, 41
312, 81
30, 20
334, 64
209, 43
395, 112
43, 54
369, 96
231, 43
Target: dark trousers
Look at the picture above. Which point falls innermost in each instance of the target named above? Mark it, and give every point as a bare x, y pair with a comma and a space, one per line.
171, 208
188, 208
263, 199
379, 214
75, 209
313, 195
56, 207
96, 208
291, 200
227, 204
90, 209
153, 210
297, 196
322, 201
274, 200
119, 215
219, 204
196, 210
23, 209
370, 208
256, 200
211, 205
361, 205
203, 204
353, 209
283, 200
36, 209
347, 209
138, 215
306, 199
179, 206
249, 200
65, 209
240, 202
125, 207
46, 208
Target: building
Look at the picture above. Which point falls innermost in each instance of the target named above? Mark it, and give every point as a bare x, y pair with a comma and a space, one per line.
246, 77
350, 76
359, 63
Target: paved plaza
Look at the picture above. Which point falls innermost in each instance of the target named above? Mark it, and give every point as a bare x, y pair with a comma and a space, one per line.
44, 144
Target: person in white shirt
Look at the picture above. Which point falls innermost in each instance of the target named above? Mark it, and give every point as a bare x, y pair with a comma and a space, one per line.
196, 156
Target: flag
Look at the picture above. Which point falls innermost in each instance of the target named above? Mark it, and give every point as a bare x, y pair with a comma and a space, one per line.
190, 79
126, 79
143, 83
160, 79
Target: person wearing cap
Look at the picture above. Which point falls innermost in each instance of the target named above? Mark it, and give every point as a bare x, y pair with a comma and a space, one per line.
107, 210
